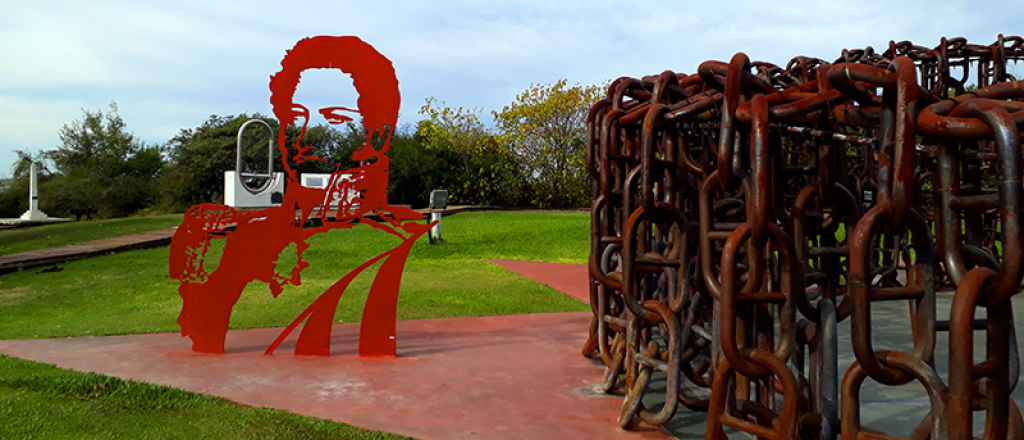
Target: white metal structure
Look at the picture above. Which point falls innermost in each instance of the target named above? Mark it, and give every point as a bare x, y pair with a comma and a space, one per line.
343, 188
237, 194
237, 190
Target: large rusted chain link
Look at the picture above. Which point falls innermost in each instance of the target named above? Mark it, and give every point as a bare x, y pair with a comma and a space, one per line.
740, 213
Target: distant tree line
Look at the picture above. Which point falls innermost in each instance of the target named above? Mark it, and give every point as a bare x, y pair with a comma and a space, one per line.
532, 156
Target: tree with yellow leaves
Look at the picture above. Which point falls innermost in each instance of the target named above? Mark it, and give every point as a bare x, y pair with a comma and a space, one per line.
469, 161
545, 128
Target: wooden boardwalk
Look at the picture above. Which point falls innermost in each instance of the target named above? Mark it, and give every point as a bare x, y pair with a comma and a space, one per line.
88, 249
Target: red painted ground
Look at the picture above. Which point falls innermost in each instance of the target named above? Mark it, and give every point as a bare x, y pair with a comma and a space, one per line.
570, 279
500, 377
505, 377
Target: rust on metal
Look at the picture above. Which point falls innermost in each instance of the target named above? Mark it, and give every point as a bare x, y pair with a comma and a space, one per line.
740, 213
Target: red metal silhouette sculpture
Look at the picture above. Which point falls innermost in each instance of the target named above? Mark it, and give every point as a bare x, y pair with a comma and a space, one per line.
254, 240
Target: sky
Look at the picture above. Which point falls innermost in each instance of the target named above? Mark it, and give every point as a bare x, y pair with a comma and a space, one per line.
170, 65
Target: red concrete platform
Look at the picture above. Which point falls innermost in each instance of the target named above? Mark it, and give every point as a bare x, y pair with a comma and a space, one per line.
496, 377
500, 377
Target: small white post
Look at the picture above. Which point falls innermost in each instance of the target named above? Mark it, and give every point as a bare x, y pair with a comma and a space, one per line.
435, 231
33, 212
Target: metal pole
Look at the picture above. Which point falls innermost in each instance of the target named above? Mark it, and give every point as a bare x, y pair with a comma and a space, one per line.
435, 232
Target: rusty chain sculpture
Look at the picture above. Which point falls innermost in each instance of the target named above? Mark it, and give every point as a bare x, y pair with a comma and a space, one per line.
740, 213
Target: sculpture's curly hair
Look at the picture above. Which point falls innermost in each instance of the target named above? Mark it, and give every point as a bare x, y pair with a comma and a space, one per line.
372, 74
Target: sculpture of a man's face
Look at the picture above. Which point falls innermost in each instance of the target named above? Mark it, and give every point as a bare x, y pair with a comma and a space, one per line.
333, 104
372, 77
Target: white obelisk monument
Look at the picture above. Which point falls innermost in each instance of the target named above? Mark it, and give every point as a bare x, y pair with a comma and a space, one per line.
33, 212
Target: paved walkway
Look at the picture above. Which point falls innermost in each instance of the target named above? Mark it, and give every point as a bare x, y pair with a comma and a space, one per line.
88, 249
507, 377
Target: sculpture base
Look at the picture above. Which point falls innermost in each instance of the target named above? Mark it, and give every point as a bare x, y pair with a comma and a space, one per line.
34, 215
22, 221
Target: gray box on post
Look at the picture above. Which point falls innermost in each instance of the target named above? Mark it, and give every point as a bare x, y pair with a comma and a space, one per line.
438, 201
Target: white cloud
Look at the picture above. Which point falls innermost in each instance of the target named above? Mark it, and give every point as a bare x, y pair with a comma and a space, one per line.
169, 65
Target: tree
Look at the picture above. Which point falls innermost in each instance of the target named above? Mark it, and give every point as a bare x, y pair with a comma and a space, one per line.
333, 145
472, 164
411, 169
100, 164
21, 167
545, 127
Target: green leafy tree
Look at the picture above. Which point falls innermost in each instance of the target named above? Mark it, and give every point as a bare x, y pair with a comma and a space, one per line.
335, 146
99, 164
20, 170
545, 128
472, 164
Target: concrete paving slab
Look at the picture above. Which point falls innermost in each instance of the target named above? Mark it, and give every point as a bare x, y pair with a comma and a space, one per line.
499, 377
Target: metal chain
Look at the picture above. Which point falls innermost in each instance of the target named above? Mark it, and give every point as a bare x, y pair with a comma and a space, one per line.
741, 212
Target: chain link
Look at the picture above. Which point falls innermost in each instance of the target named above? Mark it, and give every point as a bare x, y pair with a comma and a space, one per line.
740, 213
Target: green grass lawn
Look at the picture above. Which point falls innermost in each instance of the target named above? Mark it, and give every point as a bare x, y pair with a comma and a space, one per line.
17, 240
39, 401
132, 293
